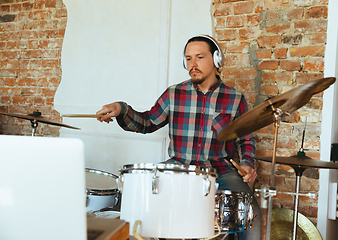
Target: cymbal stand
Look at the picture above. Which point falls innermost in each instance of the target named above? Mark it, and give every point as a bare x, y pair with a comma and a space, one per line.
277, 113
299, 171
34, 124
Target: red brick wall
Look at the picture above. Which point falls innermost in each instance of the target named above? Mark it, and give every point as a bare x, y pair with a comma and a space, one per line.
272, 46
31, 35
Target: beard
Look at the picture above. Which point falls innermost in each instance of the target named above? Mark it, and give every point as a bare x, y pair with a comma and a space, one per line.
194, 78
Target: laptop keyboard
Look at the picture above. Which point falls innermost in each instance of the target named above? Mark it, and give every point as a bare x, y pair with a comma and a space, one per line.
93, 234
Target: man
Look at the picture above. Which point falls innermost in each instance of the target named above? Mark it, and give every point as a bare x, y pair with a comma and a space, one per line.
196, 111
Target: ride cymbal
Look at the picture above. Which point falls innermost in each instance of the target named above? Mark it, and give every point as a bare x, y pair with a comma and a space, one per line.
300, 162
262, 115
36, 116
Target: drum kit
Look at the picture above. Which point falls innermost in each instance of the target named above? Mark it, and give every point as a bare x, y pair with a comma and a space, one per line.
171, 200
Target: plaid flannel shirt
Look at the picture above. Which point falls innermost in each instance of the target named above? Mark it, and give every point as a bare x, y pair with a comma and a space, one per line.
195, 119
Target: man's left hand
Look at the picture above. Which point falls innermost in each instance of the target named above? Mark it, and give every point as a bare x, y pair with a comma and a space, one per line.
251, 173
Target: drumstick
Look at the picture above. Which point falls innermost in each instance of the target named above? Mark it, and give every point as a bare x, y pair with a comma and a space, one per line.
83, 115
238, 167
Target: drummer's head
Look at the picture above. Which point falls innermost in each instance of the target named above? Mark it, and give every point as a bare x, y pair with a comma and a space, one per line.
202, 57
213, 47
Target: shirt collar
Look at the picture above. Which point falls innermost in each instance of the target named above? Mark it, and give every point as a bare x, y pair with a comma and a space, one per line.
212, 88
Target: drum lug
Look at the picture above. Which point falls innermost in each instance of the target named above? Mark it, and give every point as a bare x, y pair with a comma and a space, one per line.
207, 185
154, 183
119, 182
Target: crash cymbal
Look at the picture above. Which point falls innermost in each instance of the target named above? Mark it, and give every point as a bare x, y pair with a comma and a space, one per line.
282, 222
300, 162
36, 116
262, 115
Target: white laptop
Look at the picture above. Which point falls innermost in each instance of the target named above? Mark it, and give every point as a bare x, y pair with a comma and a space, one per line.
42, 189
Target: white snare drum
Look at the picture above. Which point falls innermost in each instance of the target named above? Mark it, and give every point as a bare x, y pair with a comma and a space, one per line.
233, 210
101, 189
170, 200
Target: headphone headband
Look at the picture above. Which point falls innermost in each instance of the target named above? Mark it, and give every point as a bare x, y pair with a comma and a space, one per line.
218, 56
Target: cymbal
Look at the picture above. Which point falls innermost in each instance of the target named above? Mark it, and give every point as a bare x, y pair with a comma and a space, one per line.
37, 117
262, 115
300, 161
282, 223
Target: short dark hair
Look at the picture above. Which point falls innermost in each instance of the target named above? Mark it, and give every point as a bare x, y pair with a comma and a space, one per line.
212, 46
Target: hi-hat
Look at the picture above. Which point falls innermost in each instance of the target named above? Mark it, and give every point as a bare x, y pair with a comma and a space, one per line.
262, 115
36, 116
300, 162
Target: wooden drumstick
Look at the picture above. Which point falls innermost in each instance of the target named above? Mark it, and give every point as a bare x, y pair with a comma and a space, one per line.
238, 167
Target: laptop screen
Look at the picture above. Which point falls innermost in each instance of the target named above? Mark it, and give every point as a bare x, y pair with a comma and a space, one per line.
42, 188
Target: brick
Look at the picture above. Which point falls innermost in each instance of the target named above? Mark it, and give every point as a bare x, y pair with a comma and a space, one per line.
245, 85
235, 21
241, 47
272, 16
254, 20
27, 6
315, 38
7, 72
244, 7
230, 83
280, 53
224, 10
307, 51
269, 90
264, 54
239, 73
50, 4
248, 33
7, 18
292, 39
317, 12
7, 81
5, 8
226, 34
304, 78
9, 64
284, 78
310, 26
294, 14
268, 77
15, 8
268, 65
268, 41
313, 65
250, 97
290, 65
259, 7
41, 14
314, 103
278, 27
220, 22
303, 3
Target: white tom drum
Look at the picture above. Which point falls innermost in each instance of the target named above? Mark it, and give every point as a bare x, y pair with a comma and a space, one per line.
101, 189
169, 200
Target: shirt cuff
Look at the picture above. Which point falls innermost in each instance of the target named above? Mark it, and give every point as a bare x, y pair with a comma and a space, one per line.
124, 109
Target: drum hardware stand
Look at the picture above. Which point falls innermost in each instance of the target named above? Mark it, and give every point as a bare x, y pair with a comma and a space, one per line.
277, 114
299, 171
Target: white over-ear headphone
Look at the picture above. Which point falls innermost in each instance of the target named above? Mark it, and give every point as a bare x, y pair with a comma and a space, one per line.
217, 55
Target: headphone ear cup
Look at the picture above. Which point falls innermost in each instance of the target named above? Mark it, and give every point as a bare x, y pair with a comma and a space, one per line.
185, 63
217, 59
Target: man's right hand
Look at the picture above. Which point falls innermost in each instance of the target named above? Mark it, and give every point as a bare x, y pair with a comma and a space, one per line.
109, 111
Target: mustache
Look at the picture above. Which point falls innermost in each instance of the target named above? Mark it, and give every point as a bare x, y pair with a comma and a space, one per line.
194, 69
